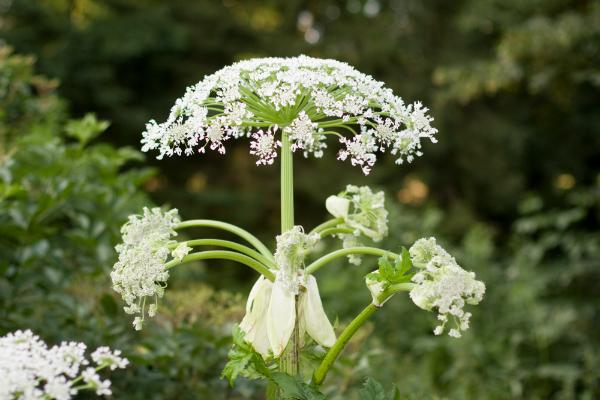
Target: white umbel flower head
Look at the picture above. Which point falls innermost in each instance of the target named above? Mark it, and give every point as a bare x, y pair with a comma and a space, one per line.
306, 135
362, 211
442, 285
264, 146
271, 312
92, 379
308, 98
113, 359
140, 270
29, 369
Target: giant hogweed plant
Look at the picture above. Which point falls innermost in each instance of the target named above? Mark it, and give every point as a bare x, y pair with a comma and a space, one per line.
287, 106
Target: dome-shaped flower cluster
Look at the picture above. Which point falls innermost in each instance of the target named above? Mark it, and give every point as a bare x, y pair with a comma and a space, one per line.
363, 212
441, 284
305, 97
140, 270
30, 370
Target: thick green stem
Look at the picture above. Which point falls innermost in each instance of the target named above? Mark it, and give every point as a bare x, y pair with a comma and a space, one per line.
224, 255
346, 335
373, 251
290, 360
236, 230
287, 184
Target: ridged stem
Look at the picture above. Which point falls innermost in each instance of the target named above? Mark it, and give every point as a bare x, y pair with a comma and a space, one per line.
346, 335
289, 361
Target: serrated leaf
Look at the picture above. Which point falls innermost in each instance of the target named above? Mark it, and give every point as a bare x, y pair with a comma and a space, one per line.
406, 263
376, 276
86, 128
386, 269
372, 390
235, 366
243, 360
293, 388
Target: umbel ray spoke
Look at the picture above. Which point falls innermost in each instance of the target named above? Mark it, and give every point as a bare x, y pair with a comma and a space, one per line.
315, 265
236, 230
230, 245
224, 255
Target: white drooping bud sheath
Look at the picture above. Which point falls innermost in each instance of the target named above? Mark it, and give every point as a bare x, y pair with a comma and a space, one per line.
271, 312
254, 323
281, 317
316, 323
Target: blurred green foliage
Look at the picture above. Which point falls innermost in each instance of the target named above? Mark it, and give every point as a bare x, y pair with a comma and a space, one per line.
62, 201
512, 188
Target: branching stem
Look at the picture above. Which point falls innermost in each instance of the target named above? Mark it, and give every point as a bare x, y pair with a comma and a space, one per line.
230, 245
332, 223
373, 251
224, 255
236, 230
335, 231
346, 335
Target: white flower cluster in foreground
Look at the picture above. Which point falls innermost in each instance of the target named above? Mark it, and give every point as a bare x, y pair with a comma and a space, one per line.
441, 284
362, 211
271, 308
29, 370
307, 98
140, 270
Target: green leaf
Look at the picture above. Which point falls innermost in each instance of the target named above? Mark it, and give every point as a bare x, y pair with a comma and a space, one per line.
376, 276
85, 129
373, 390
293, 388
398, 272
406, 263
235, 366
386, 269
395, 394
243, 360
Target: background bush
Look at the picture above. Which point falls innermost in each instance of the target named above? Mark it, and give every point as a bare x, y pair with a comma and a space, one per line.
512, 188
